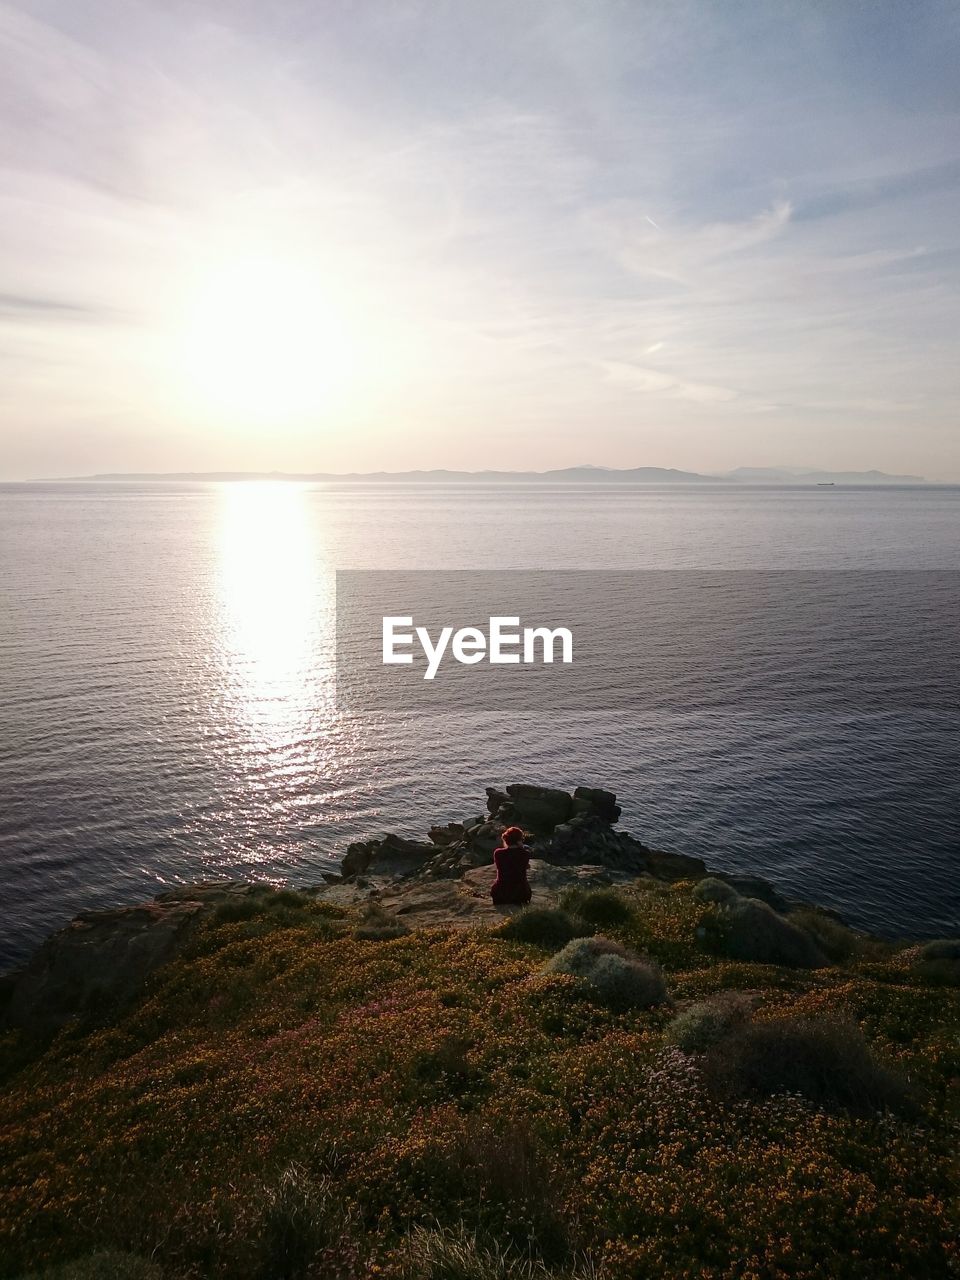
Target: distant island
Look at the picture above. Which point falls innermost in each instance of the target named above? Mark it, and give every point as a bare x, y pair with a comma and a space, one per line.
562, 475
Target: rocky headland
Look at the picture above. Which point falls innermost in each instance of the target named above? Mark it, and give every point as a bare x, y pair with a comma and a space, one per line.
652, 1070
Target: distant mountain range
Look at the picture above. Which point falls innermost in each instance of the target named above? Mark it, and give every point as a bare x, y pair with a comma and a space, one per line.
800, 475
563, 475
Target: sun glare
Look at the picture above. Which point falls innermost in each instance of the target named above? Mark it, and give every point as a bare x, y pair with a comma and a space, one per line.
262, 340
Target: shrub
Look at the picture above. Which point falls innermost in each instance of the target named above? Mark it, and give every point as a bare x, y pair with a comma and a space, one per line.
543, 926
939, 962
827, 1062
627, 984
454, 1253
603, 907
289, 898
702, 1025
579, 956
611, 973
835, 940
240, 908
941, 949
717, 891
748, 929
447, 1068
102, 1266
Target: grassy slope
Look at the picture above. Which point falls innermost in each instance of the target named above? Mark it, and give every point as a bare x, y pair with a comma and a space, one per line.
440, 1077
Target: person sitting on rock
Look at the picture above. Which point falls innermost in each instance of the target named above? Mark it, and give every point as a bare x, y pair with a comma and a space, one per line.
511, 860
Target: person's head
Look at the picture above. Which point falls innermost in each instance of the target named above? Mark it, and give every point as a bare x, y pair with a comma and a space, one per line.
512, 836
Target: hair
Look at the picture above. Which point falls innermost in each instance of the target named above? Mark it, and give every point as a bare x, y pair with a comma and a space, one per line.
512, 836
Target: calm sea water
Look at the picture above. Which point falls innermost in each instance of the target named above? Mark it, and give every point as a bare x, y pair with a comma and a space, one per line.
167, 707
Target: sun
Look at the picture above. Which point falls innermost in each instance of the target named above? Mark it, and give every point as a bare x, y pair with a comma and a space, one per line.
262, 340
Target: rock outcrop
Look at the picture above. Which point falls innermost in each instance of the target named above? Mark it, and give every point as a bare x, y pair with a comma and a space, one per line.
101, 958
390, 856
563, 828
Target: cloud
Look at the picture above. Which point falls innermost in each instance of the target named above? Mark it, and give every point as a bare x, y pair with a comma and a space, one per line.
658, 382
639, 218
20, 307
679, 252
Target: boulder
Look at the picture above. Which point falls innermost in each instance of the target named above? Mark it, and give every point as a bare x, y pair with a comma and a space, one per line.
447, 835
586, 838
495, 798
482, 840
674, 866
357, 858
603, 803
537, 809
390, 856
543, 809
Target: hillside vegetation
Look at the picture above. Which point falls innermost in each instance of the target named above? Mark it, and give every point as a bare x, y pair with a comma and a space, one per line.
290, 1099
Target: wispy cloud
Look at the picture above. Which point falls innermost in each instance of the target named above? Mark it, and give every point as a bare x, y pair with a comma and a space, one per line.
682, 252
18, 307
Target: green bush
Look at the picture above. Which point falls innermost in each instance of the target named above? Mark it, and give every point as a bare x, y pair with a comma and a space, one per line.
602, 907
447, 1069
610, 973
939, 962
827, 1062
713, 890
102, 1266
627, 984
288, 898
748, 929
835, 940
699, 1027
543, 926
454, 1253
580, 955
246, 907
941, 949
504, 1166
380, 933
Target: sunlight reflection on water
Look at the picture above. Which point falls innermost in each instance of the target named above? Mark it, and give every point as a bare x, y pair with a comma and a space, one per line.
274, 607
269, 589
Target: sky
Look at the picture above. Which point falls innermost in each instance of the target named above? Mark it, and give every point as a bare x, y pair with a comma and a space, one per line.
392, 234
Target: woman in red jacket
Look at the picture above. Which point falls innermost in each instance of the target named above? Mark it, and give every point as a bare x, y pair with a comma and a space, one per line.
511, 861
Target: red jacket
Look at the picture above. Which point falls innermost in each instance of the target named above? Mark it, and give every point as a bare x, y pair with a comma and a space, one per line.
511, 884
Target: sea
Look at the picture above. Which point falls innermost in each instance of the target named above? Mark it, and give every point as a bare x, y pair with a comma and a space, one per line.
169, 704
